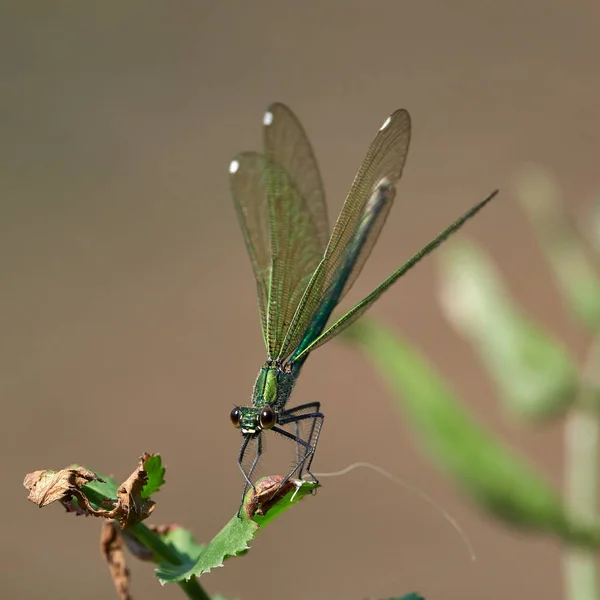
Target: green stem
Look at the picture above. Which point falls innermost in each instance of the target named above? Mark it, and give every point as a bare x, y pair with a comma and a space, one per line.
153, 542
582, 466
582, 449
191, 588
163, 552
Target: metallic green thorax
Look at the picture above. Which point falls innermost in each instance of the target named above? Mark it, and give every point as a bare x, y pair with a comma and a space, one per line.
273, 388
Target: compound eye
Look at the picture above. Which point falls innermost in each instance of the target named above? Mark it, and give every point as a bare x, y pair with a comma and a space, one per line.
267, 418
236, 416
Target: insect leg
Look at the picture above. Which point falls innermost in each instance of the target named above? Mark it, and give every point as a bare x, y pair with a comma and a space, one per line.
248, 483
314, 409
309, 445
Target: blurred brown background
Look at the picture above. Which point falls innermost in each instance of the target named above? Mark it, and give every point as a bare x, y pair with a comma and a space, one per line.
128, 311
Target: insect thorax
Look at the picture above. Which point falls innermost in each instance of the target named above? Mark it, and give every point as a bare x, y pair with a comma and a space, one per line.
273, 386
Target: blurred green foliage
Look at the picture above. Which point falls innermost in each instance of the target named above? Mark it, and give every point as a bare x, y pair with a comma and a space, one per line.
535, 376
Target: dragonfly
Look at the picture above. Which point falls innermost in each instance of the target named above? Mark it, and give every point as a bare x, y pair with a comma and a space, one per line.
303, 270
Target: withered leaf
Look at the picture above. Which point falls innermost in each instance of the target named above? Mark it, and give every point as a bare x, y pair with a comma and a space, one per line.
112, 548
64, 486
267, 493
131, 507
48, 486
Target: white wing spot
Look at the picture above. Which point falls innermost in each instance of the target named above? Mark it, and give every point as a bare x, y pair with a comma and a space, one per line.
268, 118
234, 165
386, 123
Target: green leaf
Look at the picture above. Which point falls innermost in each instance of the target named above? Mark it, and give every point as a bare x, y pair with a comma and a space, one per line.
563, 245
182, 542
495, 477
234, 539
533, 371
101, 491
156, 475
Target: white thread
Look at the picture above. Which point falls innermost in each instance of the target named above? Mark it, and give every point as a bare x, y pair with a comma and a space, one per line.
420, 493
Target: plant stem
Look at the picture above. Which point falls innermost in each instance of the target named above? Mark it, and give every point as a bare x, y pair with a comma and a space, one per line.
153, 542
582, 467
191, 588
582, 450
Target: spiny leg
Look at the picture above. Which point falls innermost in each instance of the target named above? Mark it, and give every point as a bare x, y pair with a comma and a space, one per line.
248, 484
309, 445
299, 464
315, 406
315, 432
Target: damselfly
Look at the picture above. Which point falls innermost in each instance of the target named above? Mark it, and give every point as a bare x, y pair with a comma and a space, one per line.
302, 271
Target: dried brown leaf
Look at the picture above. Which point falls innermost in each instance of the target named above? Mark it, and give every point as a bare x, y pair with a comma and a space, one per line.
48, 486
131, 507
63, 486
112, 548
266, 494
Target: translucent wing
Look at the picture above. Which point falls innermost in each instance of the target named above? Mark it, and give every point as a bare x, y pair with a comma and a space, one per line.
356, 231
287, 145
374, 214
384, 162
297, 217
246, 178
352, 315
